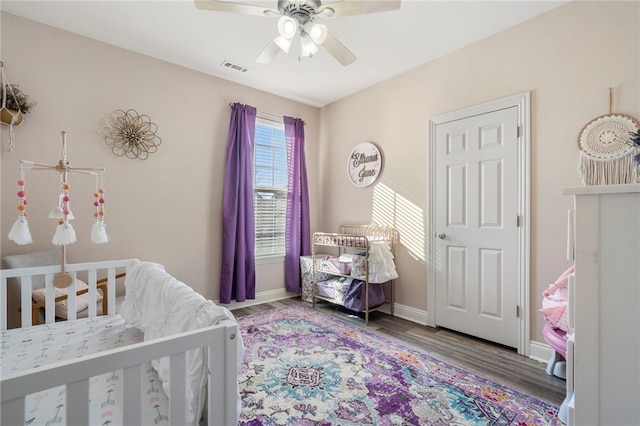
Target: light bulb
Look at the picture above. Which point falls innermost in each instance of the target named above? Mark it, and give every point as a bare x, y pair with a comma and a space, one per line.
318, 32
287, 27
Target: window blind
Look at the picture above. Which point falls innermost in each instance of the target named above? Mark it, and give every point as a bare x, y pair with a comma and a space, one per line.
270, 188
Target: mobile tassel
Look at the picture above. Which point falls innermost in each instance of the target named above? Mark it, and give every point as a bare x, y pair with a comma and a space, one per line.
19, 232
98, 231
65, 234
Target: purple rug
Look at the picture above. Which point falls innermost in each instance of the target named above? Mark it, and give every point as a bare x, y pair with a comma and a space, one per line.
302, 367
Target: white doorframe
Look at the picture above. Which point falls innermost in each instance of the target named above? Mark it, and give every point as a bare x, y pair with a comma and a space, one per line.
523, 103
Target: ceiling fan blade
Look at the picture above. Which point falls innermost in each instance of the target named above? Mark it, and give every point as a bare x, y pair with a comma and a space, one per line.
343, 8
268, 53
227, 6
338, 50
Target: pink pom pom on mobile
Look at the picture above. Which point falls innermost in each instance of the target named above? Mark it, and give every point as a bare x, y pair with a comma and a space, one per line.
99, 202
22, 194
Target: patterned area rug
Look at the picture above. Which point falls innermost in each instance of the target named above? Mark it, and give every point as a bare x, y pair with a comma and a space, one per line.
302, 367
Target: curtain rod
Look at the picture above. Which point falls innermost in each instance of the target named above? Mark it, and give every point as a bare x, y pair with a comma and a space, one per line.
260, 113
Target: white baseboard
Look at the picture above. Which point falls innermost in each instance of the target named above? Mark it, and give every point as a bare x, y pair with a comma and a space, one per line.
262, 297
540, 351
411, 314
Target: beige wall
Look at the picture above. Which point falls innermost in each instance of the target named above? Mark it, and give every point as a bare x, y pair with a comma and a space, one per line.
166, 209
568, 59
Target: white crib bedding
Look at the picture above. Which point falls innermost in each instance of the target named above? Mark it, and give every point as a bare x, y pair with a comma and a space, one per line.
30, 347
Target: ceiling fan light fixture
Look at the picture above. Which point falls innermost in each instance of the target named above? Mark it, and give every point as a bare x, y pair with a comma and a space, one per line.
287, 27
317, 32
308, 47
283, 43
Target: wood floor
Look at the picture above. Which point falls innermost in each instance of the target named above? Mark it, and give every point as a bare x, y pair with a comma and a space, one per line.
490, 360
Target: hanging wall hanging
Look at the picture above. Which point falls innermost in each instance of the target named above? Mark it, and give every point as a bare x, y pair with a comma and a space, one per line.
14, 104
131, 134
606, 151
64, 233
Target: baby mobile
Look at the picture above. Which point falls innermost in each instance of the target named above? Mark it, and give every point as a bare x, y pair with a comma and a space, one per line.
64, 234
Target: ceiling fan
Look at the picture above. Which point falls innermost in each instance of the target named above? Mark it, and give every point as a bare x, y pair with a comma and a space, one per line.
298, 17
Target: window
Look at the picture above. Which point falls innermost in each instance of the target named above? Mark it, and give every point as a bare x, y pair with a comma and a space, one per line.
270, 187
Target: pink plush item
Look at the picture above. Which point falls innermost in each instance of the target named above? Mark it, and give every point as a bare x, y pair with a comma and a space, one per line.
555, 314
561, 282
554, 303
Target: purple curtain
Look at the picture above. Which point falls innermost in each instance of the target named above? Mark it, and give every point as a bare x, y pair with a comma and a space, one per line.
238, 271
297, 233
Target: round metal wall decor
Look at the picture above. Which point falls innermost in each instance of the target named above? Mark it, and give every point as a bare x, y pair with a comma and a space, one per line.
364, 164
130, 134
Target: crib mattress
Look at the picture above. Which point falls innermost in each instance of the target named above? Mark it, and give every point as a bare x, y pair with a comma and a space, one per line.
30, 347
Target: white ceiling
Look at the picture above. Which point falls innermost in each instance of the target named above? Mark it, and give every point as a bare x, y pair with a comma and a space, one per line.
386, 43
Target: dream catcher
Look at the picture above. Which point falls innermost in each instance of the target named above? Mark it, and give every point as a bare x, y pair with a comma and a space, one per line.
606, 154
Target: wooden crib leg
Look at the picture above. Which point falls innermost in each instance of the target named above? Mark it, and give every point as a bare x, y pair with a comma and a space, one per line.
105, 298
35, 315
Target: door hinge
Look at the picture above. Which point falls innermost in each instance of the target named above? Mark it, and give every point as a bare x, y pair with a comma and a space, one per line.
518, 311
518, 220
517, 131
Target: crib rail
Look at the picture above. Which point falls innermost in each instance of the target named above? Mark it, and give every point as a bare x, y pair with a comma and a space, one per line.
220, 342
90, 272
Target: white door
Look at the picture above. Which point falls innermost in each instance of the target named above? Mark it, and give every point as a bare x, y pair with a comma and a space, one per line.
476, 225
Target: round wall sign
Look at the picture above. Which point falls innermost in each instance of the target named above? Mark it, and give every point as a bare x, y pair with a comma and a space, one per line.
364, 164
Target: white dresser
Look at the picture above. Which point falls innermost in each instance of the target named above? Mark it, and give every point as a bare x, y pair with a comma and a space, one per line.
604, 354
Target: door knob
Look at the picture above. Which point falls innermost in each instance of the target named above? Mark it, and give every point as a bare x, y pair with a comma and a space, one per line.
442, 236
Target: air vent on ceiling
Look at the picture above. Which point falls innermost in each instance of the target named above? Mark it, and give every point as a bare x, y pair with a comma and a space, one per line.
233, 66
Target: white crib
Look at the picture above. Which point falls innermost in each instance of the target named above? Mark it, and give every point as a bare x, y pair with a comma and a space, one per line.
220, 343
